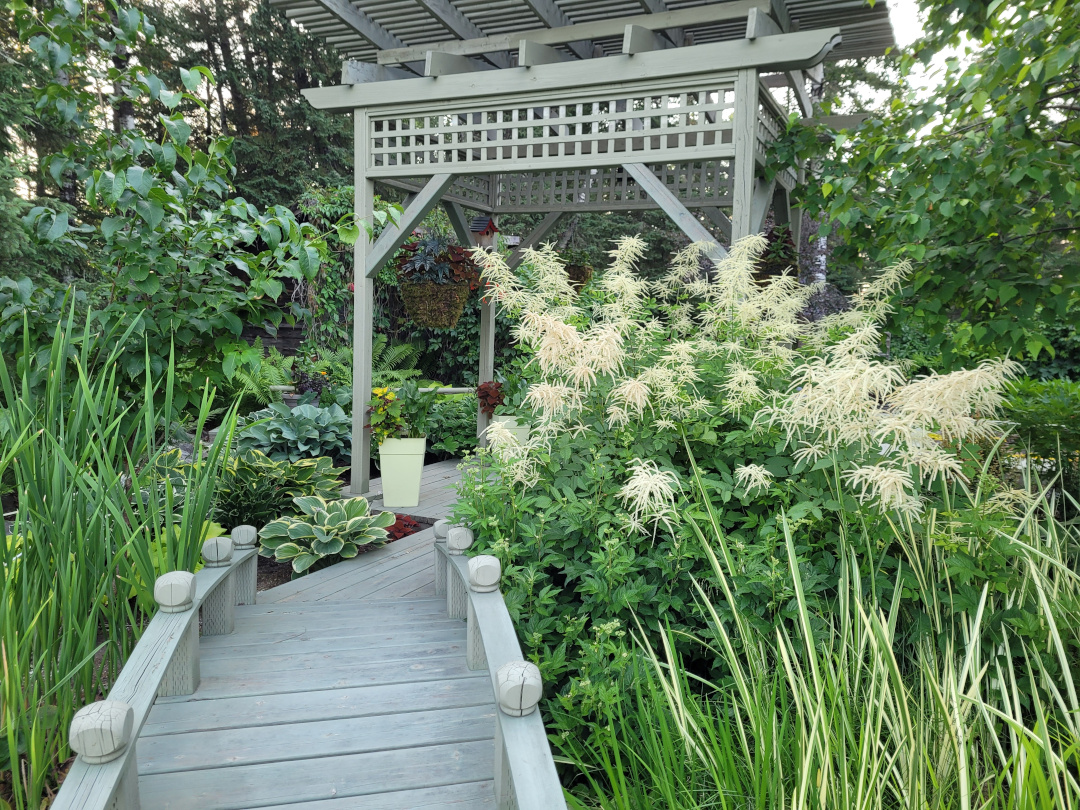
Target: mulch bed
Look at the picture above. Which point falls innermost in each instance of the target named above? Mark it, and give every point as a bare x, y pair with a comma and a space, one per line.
272, 573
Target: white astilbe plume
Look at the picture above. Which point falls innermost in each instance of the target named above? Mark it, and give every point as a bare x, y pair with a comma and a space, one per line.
554, 400
685, 268
753, 476
649, 494
890, 487
632, 395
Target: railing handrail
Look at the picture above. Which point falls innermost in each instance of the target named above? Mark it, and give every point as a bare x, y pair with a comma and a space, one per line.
447, 391
525, 774
165, 661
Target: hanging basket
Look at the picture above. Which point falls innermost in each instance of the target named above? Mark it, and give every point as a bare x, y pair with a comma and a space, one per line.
438, 306
579, 274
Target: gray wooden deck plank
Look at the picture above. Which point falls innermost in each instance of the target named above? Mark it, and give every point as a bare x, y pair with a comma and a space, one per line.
290, 681
424, 590
284, 662
304, 706
345, 588
449, 632
402, 586
403, 547
348, 611
466, 796
235, 747
307, 780
386, 630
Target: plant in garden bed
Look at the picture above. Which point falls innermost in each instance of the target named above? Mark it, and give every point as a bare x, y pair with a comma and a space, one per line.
324, 532
436, 277
490, 396
254, 489
292, 434
631, 379
452, 425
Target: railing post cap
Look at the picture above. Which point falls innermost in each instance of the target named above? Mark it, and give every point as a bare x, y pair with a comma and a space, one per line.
175, 591
520, 687
458, 539
101, 731
244, 536
217, 552
485, 572
441, 528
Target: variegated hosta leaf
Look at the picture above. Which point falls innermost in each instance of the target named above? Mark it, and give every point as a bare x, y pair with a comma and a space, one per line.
303, 562
349, 550
301, 531
355, 507
309, 503
272, 543
332, 545
321, 534
358, 525
384, 520
286, 551
275, 528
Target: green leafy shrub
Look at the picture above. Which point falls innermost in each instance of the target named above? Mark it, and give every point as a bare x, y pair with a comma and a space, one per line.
324, 532
638, 388
452, 425
254, 489
292, 434
1046, 414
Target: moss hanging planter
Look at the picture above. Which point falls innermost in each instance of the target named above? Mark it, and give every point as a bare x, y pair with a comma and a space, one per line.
435, 278
435, 305
579, 274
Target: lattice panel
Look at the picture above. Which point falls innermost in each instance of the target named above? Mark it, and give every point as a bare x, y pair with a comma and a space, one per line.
696, 183
590, 130
473, 191
770, 126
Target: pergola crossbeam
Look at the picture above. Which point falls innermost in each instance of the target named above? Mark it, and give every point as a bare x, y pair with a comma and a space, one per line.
460, 25
363, 24
394, 236
554, 17
598, 29
673, 207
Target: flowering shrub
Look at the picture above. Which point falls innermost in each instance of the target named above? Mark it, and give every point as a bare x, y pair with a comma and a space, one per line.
490, 396
640, 388
385, 415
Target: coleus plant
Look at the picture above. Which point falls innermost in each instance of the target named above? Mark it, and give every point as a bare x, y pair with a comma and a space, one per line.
324, 531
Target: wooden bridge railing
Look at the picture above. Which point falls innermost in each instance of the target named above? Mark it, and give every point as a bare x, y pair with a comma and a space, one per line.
165, 662
525, 775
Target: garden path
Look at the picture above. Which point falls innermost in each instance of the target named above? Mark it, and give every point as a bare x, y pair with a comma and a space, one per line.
343, 690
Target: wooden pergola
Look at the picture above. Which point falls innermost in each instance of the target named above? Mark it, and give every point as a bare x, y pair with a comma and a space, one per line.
561, 106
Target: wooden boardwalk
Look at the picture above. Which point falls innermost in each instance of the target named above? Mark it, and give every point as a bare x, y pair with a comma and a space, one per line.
345, 689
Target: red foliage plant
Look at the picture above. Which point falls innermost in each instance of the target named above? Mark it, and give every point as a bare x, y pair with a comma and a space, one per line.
490, 396
403, 527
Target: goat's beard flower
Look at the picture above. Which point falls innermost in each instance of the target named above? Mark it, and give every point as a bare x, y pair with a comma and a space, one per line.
649, 494
753, 476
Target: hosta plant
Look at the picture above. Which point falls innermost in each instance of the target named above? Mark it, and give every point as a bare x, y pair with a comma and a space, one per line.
254, 488
324, 532
292, 434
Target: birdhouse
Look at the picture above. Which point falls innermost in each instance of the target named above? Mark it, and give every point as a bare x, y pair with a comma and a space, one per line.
484, 231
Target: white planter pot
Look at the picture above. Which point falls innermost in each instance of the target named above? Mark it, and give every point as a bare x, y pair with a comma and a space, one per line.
401, 463
519, 428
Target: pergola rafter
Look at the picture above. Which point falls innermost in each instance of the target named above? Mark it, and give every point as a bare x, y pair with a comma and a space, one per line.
643, 124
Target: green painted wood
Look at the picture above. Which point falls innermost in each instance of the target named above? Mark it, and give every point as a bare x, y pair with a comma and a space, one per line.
365, 579
386, 628
302, 707
405, 586
531, 54
313, 740
356, 72
783, 52
467, 796
638, 39
308, 780
745, 135
360, 22
460, 26
336, 676
536, 237
437, 63
673, 207
393, 236
599, 29
549, 13
363, 308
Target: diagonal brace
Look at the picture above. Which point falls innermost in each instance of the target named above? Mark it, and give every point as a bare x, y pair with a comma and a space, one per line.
673, 207
394, 236
538, 234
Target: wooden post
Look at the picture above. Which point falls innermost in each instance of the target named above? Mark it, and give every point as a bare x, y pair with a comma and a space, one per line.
745, 136
440, 528
219, 606
458, 540
247, 575
487, 361
363, 311
175, 593
485, 571
504, 780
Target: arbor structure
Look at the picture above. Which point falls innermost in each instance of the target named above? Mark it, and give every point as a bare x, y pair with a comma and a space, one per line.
544, 107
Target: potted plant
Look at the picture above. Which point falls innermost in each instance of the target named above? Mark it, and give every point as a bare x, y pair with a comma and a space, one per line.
399, 425
436, 277
578, 266
494, 404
